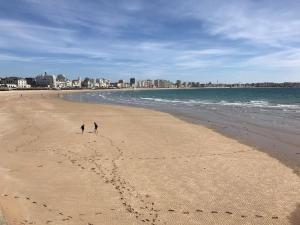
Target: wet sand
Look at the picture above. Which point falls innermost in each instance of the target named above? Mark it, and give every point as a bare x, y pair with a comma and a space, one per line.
2, 221
144, 167
270, 130
278, 142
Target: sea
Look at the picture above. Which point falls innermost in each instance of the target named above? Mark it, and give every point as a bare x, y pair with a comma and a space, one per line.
266, 118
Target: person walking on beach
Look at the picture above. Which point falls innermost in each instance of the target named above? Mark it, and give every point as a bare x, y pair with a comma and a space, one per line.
96, 128
82, 128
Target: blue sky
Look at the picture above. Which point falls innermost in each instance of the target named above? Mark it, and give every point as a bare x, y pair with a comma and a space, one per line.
204, 40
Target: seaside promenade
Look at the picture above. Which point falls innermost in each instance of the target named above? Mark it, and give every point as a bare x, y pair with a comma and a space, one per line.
144, 167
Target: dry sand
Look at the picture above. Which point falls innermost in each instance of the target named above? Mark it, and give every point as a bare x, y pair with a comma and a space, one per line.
144, 167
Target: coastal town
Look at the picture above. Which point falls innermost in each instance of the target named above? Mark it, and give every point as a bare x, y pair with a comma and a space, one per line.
61, 82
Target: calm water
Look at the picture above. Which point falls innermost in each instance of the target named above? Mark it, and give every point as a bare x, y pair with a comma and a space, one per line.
268, 118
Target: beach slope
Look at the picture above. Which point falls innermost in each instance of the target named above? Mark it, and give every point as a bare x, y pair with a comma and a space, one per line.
143, 167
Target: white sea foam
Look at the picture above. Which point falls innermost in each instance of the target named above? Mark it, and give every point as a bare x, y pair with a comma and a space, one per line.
162, 100
254, 103
102, 96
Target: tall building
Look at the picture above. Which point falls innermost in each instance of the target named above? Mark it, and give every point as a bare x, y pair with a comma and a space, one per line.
88, 83
145, 83
132, 82
31, 81
46, 81
102, 83
163, 84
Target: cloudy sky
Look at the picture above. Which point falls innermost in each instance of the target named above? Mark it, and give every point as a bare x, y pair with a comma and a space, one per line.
198, 40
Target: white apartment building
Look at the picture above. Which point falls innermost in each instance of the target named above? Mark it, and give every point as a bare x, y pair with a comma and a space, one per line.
15, 82
88, 83
76, 83
145, 84
163, 84
63, 82
102, 83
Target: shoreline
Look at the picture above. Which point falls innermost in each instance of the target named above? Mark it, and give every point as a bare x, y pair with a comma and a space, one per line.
265, 148
252, 136
203, 122
142, 162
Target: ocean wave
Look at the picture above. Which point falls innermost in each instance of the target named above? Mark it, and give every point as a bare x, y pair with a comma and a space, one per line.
162, 100
102, 96
254, 103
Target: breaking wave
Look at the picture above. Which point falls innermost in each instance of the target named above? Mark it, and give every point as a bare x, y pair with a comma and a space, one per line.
260, 104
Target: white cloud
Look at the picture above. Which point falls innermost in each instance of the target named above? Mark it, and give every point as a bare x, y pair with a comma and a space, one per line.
274, 23
133, 35
13, 58
283, 59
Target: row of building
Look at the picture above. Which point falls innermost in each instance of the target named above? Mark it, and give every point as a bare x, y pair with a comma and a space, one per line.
237, 85
144, 84
52, 82
62, 82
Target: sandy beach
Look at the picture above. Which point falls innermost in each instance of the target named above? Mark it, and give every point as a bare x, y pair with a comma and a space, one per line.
143, 167
2, 219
